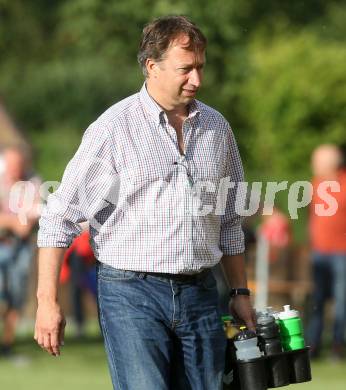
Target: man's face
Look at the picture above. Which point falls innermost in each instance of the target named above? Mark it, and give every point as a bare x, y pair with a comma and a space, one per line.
179, 75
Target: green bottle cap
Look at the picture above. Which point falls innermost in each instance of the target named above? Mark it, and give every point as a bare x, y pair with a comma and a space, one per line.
227, 318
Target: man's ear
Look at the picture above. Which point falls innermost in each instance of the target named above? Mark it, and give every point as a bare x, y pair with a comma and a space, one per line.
152, 67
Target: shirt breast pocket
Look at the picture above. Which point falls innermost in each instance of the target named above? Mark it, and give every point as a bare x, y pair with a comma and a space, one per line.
210, 170
206, 183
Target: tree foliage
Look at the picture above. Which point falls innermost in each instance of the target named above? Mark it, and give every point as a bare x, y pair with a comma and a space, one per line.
292, 101
274, 69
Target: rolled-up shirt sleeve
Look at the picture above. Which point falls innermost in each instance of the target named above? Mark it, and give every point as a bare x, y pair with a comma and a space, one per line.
231, 234
78, 195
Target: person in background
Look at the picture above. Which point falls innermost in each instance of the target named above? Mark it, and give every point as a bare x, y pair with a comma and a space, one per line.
328, 246
79, 269
276, 229
16, 248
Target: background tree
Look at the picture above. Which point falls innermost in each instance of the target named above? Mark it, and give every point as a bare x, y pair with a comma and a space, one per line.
274, 69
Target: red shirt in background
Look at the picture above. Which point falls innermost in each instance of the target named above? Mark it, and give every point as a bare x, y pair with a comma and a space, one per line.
328, 233
80, 246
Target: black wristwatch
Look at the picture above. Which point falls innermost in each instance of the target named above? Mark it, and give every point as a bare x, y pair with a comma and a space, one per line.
239, 291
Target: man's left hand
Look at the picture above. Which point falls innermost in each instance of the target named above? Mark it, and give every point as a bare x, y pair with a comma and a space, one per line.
241, 309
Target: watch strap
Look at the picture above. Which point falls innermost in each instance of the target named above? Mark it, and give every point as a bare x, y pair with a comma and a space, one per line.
239, 291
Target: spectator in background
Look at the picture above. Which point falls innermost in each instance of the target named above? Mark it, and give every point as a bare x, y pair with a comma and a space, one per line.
328, 245
343, 151
79, 268
16, 250
276, 229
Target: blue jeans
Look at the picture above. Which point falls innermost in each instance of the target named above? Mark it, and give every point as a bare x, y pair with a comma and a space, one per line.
160, 334
329, 277
15, 262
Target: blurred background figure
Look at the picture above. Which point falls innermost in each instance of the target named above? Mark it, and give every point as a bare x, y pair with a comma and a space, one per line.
328, 246
79, 268
16, 248
276, 229
273, 260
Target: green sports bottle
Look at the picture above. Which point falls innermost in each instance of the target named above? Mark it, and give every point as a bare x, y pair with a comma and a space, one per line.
291, 329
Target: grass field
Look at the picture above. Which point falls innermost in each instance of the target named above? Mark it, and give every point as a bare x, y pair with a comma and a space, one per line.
82, 365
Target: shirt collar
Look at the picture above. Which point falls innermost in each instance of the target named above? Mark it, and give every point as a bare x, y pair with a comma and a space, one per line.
156, 111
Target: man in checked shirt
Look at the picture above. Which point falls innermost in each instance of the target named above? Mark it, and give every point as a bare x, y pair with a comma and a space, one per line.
147, 176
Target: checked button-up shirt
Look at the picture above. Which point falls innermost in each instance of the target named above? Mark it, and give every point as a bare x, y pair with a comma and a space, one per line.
149, 208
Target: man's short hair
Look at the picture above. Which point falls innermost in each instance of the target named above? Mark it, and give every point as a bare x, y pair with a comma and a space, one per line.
158, 35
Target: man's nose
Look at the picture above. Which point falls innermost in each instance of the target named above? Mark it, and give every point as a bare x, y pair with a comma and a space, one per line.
195, 78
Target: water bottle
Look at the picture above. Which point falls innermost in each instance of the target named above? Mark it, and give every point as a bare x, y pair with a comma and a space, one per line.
229, 327
230, 377
250, 362
246, 344
292, 338
268, 334
291, 329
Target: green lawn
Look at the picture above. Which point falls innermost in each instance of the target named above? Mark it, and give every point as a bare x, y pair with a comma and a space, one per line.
82, 365
326, 375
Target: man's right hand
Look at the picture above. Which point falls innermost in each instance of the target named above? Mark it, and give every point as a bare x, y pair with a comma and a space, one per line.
50, 327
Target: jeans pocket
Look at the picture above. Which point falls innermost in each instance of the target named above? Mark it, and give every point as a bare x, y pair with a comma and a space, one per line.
208, 282
106, 272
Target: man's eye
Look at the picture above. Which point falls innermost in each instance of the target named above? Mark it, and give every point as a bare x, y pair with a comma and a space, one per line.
188, 69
